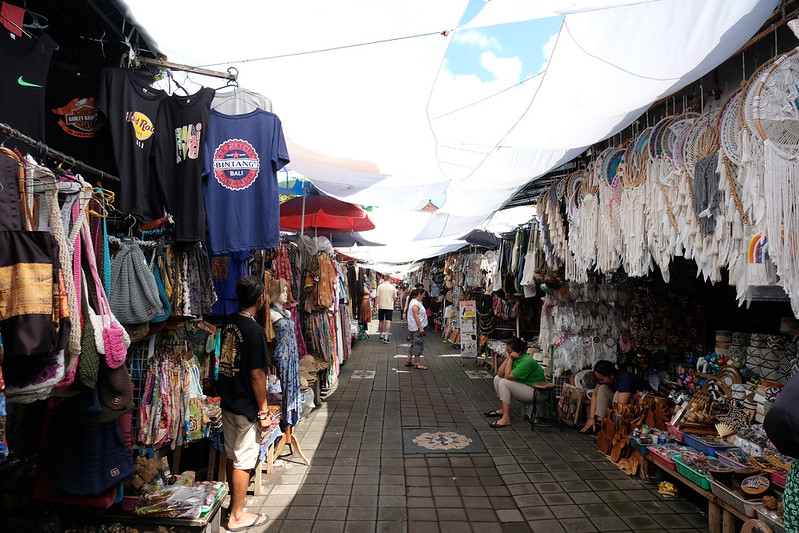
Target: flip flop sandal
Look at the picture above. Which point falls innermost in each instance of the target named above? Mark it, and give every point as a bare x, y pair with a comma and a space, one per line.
493, 414
408, 363
495, 425
260, 520
420, 367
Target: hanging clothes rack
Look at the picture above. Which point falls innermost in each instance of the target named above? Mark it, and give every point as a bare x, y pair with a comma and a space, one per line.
231, 74
46, 151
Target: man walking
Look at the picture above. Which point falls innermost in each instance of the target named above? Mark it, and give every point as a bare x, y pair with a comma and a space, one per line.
242, 388
386, 294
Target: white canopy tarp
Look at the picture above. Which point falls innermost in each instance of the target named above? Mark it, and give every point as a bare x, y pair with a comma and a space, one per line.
392, 124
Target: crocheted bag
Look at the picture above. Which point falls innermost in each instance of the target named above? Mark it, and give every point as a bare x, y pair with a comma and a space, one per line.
134, 294
110, 337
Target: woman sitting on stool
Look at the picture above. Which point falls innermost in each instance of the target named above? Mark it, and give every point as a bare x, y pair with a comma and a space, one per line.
515, 378
613, 385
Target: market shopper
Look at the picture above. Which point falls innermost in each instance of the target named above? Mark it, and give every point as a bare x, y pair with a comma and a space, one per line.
782, 427
515, 378
242, 388
417, 321
386, 294
613, 386
405, 304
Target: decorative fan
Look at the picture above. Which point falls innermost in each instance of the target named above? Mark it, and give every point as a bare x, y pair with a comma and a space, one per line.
731, 422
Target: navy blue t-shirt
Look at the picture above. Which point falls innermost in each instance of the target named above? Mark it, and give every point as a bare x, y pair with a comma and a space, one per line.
629, 382
242, 156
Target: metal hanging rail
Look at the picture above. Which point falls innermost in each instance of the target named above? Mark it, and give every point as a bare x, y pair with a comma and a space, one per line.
46, 151
230, 75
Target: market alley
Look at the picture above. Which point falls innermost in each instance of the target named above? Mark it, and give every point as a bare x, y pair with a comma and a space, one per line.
363, 477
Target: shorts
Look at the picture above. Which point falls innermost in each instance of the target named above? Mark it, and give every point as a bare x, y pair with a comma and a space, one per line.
385, 314
417, 343
242, 442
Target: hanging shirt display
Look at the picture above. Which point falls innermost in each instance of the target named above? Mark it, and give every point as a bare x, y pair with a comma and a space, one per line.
242, 156
22, 82
73, 124
130, 107
182, 121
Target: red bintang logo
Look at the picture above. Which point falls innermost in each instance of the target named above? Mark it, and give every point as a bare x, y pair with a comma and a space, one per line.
236, 164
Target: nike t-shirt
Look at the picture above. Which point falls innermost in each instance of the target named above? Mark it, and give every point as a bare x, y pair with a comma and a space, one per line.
23, 77
130, 106
242, 156
182, 121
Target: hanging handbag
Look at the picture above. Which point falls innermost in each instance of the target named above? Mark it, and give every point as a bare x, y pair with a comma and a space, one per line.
110, 337
134, 293
155, 265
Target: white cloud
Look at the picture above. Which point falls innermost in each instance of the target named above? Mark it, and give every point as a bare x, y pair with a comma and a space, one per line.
477, 38
547, 50
507, 70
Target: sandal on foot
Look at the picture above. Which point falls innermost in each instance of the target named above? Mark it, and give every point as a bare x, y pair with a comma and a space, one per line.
420, 367
493, 414
260, 520
408, 363
497, 425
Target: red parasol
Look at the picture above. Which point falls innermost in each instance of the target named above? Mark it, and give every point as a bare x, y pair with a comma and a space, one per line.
322, 214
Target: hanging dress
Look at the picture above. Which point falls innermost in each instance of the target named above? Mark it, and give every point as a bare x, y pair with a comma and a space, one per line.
287, 361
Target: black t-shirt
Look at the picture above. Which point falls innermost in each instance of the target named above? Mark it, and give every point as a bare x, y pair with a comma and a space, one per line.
782, 420
629, 382
130, 106
24, 63
182, 122
243, 348
73, 124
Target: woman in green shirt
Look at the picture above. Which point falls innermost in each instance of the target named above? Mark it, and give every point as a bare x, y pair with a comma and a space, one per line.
515, 377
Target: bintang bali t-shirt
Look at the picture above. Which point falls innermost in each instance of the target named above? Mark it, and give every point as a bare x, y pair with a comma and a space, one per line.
182, 121
130, 106
242, 156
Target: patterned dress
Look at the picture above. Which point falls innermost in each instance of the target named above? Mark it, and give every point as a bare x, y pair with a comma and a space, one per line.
287, 361
790, 501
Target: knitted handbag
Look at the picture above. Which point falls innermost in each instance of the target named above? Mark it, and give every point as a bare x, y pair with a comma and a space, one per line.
134, 293
110, 337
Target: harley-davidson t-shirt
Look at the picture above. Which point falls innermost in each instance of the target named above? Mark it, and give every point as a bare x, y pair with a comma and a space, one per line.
130, 107
73, 124
182, 121
242, 156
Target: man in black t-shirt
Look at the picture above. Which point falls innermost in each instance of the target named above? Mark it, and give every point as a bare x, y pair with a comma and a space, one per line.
242, 388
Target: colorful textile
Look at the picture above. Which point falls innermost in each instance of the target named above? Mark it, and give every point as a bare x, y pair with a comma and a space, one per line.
287, 361
790, 501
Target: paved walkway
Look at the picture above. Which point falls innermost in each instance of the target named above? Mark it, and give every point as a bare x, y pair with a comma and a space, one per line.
360, 480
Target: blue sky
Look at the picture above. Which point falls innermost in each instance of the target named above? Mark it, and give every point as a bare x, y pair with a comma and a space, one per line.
524, 40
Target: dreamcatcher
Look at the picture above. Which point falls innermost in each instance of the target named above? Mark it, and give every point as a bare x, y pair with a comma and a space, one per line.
606, 171
775, 112
637, 260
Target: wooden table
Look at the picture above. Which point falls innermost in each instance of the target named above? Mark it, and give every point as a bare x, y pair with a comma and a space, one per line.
721, 517
210, 523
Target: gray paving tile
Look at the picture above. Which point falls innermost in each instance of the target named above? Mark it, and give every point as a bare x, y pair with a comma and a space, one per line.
546, 526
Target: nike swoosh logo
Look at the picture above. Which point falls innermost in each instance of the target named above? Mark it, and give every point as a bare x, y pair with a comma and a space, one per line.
25, 83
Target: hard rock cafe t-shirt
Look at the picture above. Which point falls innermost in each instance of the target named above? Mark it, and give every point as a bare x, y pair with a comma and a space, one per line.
242, 156
130, 107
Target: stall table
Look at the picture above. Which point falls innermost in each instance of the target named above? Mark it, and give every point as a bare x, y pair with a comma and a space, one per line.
721, 517
210, 523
